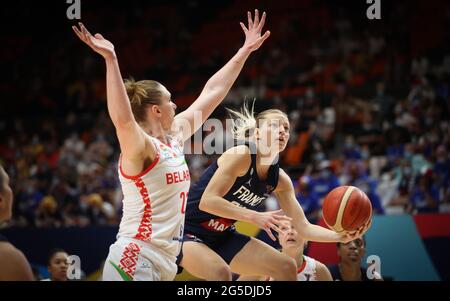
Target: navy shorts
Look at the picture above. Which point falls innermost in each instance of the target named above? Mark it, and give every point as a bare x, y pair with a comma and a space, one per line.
226, 245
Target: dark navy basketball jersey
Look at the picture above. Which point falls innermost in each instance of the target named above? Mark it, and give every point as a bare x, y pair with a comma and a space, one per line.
336, 273
2, 238
248, 191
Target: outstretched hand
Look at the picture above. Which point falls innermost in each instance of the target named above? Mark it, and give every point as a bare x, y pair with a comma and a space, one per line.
97, 42
253, 38
349, 236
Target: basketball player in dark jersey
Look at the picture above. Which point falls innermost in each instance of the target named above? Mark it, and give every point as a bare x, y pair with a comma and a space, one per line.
232, 189
349, 267
13, 264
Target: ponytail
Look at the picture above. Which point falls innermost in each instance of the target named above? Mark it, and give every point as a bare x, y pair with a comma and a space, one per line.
243, 121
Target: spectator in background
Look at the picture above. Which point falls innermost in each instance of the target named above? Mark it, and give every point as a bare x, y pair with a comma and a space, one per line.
99, 211
324, 180
48, 213
57, 265
441, 169
307, 198
349, 267
425, 194
13, 264
356, 175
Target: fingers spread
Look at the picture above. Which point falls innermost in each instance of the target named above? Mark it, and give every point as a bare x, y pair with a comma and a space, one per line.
84, 30
263, 21
243, 27
78, 33
270, 234
265, 36
250, 22
256, 23
282, 217
275, 227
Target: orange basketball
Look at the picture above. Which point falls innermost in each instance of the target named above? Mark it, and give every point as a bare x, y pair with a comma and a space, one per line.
346, 208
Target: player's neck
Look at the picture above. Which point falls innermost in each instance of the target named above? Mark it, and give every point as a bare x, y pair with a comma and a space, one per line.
263, 163
155, 129
266, 156
350, 271
295, 254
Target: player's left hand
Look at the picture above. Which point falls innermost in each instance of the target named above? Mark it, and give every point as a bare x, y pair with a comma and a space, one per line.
253, 38
349, 236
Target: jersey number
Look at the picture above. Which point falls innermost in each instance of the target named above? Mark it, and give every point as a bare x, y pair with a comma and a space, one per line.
183, 197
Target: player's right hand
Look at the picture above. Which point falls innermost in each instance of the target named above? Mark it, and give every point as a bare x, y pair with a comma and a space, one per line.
271, 220
253, 37
349, 236
97, 42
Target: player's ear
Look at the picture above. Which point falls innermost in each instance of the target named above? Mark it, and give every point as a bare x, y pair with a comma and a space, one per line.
256, 133
155, 110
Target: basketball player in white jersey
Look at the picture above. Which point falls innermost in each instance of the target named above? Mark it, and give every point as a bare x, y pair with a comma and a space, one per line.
153, 173
308, 269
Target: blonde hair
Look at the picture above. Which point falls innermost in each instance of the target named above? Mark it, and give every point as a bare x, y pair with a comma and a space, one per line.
141, 94
244, 121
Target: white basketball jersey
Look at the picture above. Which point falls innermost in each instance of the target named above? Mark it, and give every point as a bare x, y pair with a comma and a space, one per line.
307, 271
155, 200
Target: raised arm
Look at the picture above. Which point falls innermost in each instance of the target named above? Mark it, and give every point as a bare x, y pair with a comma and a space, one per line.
131, 137
233, 164
289, 204
220, 83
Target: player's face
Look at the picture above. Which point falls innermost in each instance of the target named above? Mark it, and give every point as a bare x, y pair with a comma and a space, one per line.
58, 266
274, 132
288, 237
167, 108
352, 251
6, 197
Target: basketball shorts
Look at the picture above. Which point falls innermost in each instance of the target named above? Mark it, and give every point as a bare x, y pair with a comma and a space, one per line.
226, 245
130, 259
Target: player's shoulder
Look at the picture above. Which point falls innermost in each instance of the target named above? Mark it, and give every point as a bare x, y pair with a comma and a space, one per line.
239, 154
13, 263
322, 271
284, 181
8, 252
236, 160
238, 150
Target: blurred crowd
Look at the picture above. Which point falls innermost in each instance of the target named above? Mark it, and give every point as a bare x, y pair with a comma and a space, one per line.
368, 106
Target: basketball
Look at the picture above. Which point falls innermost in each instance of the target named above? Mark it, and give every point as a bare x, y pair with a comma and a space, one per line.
346, 208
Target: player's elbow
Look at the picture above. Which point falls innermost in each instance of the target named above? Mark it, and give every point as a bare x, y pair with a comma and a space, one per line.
204, 204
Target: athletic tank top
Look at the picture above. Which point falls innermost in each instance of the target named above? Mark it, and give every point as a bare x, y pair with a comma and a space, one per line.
248, 191
307, 272
336, 273
155, 200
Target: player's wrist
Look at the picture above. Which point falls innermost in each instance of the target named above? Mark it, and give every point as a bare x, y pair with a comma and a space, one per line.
245, 50
251, 217
110, 57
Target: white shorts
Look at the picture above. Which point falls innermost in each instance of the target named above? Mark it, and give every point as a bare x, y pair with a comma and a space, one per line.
131, 259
